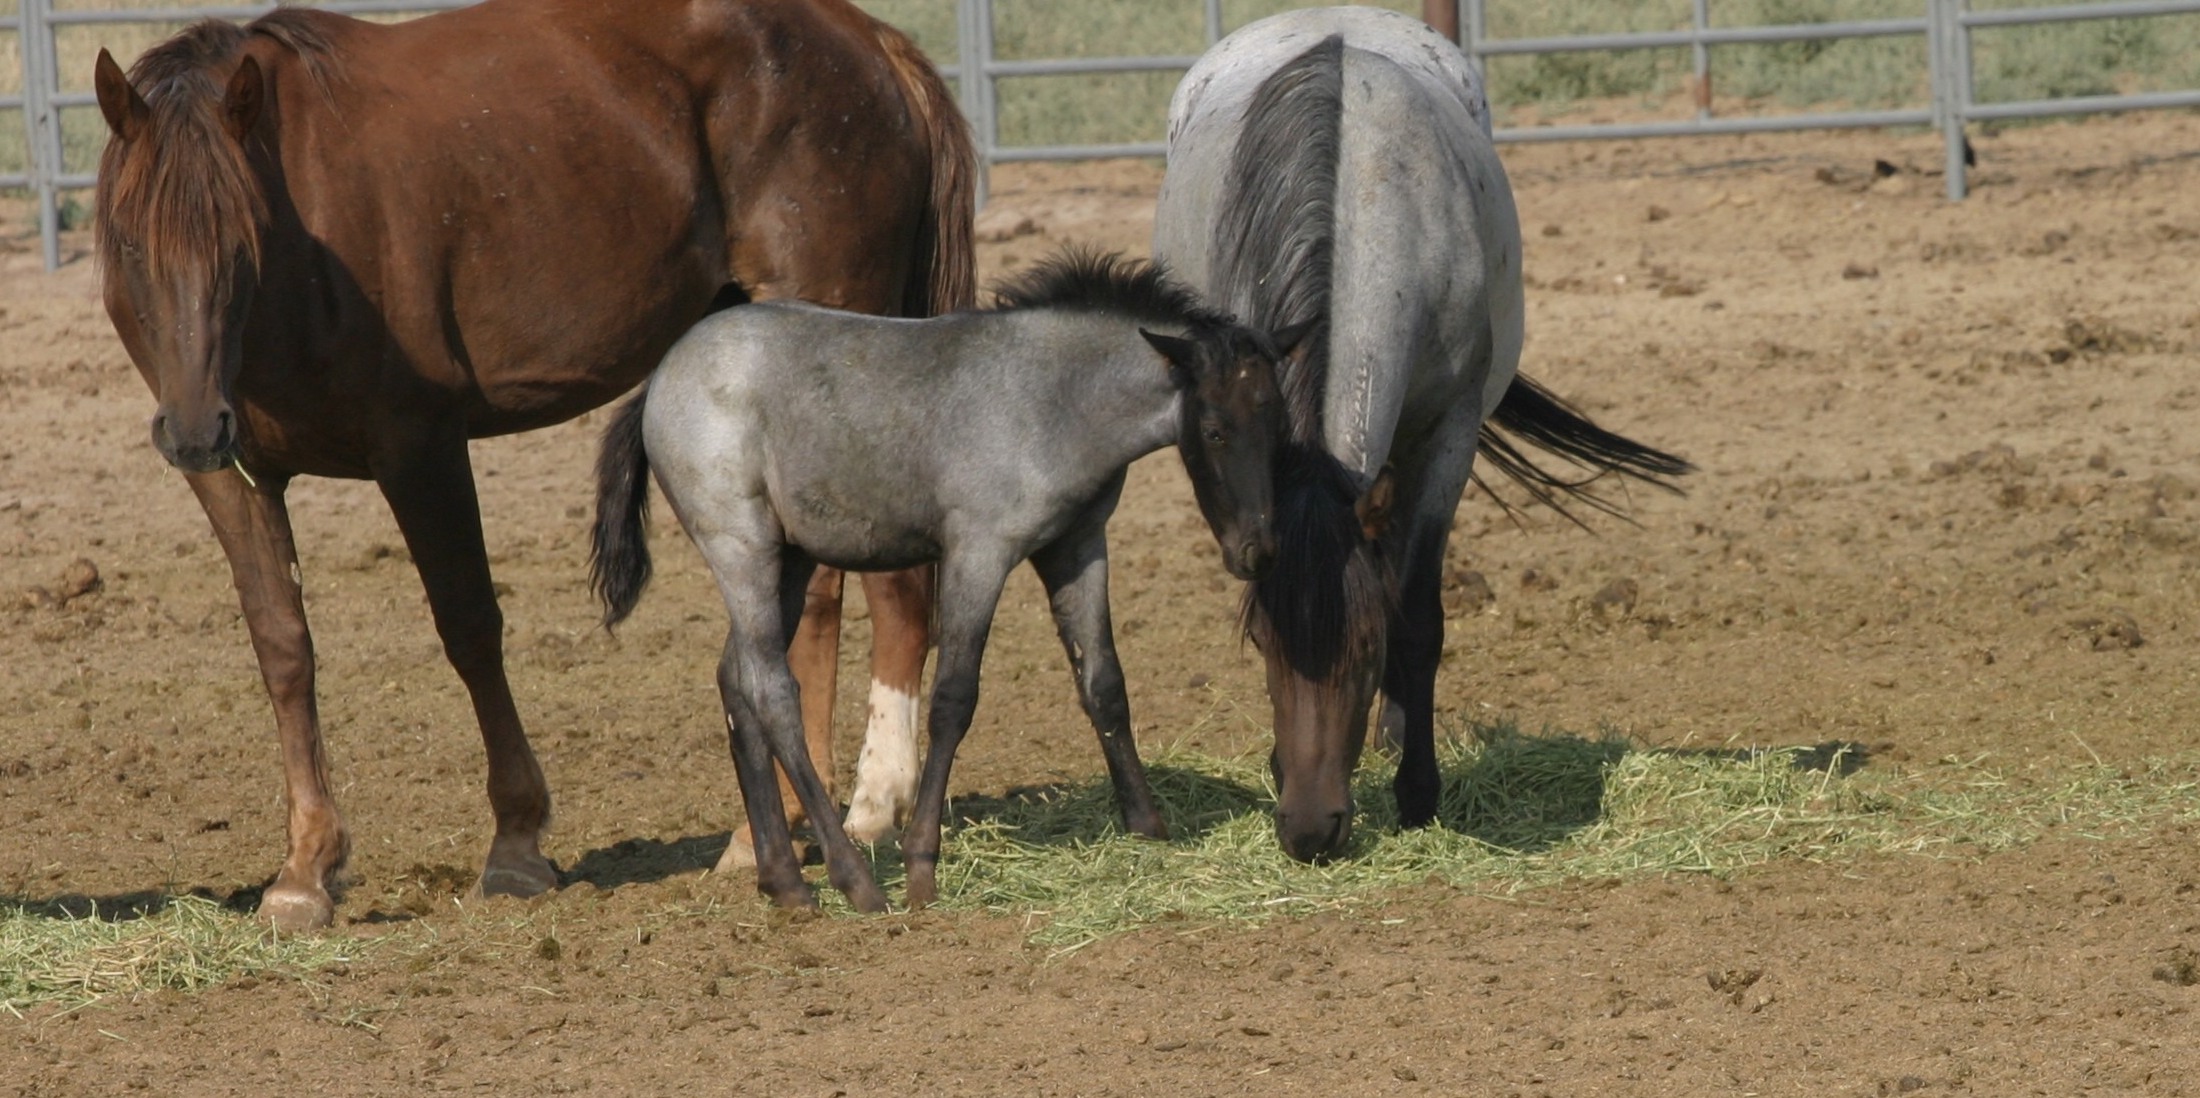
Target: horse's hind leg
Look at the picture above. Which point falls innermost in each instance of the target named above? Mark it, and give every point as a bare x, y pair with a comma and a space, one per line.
770, 687
430, 489
253, 526
815, 657
1075, 572
901, 635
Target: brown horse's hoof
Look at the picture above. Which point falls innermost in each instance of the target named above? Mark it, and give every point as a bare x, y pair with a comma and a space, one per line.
295, 909
514, 873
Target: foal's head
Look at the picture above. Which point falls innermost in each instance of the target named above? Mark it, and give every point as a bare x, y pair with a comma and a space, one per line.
179, 210
1229, 428
1320, 618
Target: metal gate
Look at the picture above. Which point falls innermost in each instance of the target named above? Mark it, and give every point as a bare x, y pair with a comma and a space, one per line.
1946, 25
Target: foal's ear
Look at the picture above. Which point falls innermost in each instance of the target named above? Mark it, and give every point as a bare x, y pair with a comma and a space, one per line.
247, 93
125, 109
1182, 355
1373, 506
1289, 341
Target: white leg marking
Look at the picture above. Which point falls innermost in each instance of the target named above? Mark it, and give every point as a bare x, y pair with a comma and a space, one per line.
886, 771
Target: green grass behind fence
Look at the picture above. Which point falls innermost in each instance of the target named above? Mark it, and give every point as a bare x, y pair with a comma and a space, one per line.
2096, 57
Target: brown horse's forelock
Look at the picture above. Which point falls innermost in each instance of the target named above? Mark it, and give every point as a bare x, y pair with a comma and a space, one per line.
1325, 604
182, 194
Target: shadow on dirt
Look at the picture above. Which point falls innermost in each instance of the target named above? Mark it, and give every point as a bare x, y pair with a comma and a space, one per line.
645, 861
1530, 793
120, 907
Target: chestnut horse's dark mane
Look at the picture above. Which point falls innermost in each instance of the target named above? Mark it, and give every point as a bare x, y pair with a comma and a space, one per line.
182, 193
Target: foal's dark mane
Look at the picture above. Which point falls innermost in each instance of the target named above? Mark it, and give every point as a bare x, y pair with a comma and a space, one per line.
183, 193
1079, 278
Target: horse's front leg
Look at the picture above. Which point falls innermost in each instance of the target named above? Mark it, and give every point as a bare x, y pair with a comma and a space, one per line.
1075, 572
253, 526
429, 483
970, 589
901, 636
1429, 485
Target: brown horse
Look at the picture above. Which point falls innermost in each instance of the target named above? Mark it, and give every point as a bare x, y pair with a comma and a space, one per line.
343, 249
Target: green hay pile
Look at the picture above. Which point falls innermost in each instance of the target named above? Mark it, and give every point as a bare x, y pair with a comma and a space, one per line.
1518, 812
187, 944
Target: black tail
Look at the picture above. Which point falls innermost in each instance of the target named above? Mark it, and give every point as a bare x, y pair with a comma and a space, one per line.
1531, 414
618, 551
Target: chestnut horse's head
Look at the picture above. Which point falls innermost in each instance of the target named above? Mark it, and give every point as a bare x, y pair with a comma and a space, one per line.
1321, 617
179, 210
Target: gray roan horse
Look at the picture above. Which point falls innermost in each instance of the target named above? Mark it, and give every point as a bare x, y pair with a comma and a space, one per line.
786, 436
1334, 167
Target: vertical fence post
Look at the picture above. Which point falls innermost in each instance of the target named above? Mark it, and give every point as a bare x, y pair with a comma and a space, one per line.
1701, 17
971, 58
1944, 28
39, 85
1442, 16
1214, 22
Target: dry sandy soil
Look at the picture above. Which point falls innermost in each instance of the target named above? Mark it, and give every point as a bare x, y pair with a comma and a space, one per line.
1946, 509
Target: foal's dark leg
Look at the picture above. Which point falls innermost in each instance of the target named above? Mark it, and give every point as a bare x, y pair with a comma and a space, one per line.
429, 484
778, 871
1075, 572
814, 654
969, 590
844, 866
253, 526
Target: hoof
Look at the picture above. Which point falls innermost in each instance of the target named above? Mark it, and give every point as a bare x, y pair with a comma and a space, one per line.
532, 877
871, 824
293, 909
740, 853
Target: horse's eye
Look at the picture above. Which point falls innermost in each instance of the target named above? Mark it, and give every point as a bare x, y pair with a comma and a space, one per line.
1213, 435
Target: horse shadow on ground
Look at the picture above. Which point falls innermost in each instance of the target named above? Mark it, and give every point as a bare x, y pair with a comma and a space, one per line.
1530, 793
120, 907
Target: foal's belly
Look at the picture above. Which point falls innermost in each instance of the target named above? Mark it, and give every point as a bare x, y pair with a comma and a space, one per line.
858, 531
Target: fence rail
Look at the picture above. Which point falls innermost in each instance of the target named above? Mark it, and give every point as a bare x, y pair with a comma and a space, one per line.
1946, 26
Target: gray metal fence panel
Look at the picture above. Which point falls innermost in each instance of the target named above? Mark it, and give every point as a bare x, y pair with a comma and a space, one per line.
1946, 25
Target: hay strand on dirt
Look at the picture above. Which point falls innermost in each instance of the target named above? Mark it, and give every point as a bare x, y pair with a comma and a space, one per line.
186, 944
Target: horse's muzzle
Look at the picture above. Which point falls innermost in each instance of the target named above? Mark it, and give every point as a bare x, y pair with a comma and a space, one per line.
197, 451
1252, 559
1316, 837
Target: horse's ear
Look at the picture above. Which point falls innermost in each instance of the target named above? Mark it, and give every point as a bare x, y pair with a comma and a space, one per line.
1290, 341
125, 109
247, 93
1182, 355
1373, 506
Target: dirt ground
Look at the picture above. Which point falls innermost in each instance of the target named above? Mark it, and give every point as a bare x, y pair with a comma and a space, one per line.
1946, 509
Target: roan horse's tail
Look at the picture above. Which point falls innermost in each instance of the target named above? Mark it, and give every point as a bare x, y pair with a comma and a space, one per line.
618, 551
1531, 414
947, 250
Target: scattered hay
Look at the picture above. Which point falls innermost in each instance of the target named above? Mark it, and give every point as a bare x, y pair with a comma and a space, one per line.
1518, 812
185, 944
